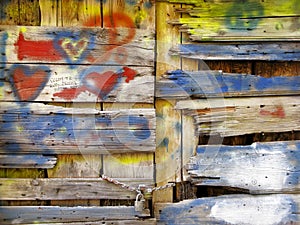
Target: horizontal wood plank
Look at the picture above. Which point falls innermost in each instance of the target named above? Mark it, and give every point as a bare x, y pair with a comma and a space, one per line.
27, 161
68, 188
270, 167
184, 84
45, 129
77, 45
279, 51
55, 214
58, 83
238, 116
239, 20
232, 209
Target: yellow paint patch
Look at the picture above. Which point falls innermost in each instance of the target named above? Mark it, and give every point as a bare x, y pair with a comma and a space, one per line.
129, 159
20, 128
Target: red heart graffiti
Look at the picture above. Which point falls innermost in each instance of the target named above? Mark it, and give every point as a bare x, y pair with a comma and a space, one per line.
28, 82
101, 84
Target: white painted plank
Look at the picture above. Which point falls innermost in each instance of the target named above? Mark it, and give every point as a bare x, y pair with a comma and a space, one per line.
268, 167
232, 209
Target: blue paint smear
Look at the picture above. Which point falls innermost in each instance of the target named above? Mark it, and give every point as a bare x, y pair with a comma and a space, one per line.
3, 59
218, 84
3, 6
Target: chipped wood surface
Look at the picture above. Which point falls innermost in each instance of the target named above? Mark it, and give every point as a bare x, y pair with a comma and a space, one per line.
232, 209
27, 161
53, 214
68, 188
45, 129
184, 84
279, 51
269, 167
238, 116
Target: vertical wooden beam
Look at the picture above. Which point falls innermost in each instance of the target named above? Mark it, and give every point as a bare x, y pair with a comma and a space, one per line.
168, 152
29, 12
9, 12
49, 12
128, 14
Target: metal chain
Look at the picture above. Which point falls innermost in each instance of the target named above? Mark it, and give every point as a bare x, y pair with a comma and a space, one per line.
138, 189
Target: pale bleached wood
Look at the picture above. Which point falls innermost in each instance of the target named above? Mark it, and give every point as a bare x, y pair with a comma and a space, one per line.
147, 221
68, 188
268, 167
238, 116
49, 12
53, 214
232, 209
27, 161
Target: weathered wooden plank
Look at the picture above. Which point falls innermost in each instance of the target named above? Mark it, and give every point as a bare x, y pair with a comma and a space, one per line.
29, 12
53, 83
234, 20
168, 152
181, 84
231, 8
270, 167
75, 46
46, 129
238, 116
280, 51
27, 161
49, 12
68, 188
9, 10
53, 214
232, 209
122, 13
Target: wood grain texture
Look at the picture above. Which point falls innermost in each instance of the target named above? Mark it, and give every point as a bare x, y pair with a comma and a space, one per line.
244, 21
268, 167
27, 161
168, 151
53, 214
68, 188
238, 116
56, 130
184, 84
279, 51
77, 45
232, 209
85, 84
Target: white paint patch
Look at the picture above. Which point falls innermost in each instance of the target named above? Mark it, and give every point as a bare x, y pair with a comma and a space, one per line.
249, 210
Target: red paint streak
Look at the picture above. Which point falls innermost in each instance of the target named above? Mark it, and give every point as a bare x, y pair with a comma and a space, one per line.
278, 113
39, 50
28, 87
98, 84
70, 93
129, 73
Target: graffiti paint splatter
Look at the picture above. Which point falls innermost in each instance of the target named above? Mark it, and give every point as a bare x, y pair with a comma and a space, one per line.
100, 84
28, 82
